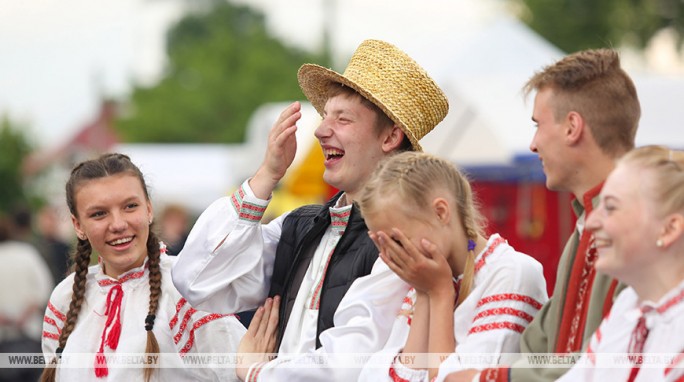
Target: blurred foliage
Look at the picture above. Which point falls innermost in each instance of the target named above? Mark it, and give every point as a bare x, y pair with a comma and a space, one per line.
574, 25
222, 65
14, 147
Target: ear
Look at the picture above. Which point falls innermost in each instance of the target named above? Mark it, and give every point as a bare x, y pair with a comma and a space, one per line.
77, 227
440, 208
574, 127
673, 229
393, 138
150, 212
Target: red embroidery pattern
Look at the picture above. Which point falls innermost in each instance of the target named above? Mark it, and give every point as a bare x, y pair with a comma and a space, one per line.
480, 263
204, 320
316, 298
246, 211
179, 306
510, 296
51, 336
130, 276
494, 374
679, 358
393, 372
57, 313
183, 325
52, 322
585, 278
256, 370
495, 326
504, 311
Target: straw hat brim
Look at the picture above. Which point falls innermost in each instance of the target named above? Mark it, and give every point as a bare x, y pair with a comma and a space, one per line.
315, 81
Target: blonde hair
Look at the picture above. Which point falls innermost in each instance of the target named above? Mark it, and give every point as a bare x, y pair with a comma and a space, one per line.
592, 83
413, 176
666, 167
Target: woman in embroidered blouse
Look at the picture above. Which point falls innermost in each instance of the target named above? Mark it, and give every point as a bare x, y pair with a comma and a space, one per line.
638, 231
420, 213
111, 308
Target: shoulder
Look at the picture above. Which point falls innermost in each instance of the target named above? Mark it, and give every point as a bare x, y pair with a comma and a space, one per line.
506, 259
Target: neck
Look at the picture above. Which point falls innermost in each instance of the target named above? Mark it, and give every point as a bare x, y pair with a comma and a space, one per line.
665, 277
592, 174
457, 260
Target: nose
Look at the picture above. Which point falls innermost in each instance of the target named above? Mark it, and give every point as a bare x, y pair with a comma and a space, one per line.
323, 130
118, 222
593, 222
533, 143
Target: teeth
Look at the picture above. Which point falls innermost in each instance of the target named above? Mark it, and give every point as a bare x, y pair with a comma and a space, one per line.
121, 241
332, 152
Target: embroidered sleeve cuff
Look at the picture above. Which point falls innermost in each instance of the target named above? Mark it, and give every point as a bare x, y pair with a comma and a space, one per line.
494, 374
254, 371
400, 373
247, 206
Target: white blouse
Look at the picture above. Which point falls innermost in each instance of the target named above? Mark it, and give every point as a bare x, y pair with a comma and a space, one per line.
180, 330
507, 291
608, 356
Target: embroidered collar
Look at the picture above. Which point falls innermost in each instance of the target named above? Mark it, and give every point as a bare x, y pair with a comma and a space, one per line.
339, 218
663, 309
492, 244
137, 273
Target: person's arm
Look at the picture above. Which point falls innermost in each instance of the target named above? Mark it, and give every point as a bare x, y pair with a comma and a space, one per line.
363, 321
227, 260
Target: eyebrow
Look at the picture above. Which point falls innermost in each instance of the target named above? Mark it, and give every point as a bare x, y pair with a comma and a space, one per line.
99, 207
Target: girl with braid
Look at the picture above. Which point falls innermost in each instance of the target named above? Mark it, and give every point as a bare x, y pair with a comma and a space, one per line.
126, 304
469, 293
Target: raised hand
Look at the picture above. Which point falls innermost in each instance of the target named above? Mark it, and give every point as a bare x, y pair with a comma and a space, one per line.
280, 152
424, 267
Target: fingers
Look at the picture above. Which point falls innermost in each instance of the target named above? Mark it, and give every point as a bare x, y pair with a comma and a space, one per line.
272, 327
256, 322
263, 323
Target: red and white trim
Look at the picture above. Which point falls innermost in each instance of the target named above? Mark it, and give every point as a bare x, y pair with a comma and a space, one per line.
191, 340
510, 297
247, 211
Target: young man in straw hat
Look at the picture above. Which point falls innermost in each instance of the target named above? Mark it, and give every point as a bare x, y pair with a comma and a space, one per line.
586, 112
315, 269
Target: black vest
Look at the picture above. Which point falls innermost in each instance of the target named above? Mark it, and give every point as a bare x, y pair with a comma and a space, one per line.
302, 231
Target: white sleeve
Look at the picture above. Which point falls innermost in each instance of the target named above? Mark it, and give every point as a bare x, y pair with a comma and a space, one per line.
55, 316
514, 290
205, 334
362, 326
227, 261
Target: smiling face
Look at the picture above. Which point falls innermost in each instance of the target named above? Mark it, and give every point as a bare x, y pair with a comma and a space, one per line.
351, 143
624, 225
548, 142
114, 214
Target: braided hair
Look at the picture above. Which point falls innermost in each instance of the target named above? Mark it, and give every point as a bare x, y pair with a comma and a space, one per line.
413, 176
104, 166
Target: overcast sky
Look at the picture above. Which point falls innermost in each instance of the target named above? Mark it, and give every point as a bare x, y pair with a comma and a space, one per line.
57, 57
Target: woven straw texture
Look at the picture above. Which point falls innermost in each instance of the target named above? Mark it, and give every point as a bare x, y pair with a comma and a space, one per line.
390, 79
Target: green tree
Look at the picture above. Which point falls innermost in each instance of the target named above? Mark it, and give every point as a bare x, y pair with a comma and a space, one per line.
14, 147
582, 24
222, 65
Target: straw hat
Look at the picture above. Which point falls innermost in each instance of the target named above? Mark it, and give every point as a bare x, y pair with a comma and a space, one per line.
391, 80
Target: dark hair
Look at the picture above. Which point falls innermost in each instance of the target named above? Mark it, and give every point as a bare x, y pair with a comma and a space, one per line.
102, 167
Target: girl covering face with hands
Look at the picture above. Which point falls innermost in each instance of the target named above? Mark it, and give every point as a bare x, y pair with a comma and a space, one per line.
470, 293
